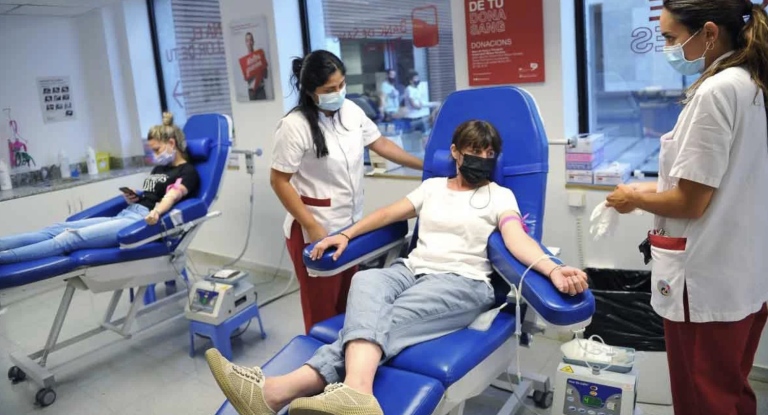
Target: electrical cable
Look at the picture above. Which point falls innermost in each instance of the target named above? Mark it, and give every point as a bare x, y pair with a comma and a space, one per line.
518, 290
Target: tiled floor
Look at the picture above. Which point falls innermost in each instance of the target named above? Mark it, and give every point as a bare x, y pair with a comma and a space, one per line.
152, 373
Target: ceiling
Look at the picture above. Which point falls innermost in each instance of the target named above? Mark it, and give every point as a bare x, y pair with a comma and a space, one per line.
61, 8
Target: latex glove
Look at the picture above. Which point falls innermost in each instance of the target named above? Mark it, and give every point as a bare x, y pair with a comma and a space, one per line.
604, 220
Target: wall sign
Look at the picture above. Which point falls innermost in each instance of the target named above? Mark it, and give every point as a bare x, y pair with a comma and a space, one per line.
505, 41
249, 43
56, 99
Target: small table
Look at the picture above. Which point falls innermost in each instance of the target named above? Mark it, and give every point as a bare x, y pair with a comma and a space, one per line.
221, 334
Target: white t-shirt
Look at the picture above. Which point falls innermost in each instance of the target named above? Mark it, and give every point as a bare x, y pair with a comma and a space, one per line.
415, 94
334, 182
720, 140
391, 97
454, 227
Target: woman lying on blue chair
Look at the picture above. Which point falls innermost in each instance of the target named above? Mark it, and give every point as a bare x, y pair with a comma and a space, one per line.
169, 182
440, 288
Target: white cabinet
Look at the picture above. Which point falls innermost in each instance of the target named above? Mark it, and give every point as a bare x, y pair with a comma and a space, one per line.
28, 214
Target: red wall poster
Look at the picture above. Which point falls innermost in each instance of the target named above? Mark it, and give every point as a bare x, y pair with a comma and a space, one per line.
505, 41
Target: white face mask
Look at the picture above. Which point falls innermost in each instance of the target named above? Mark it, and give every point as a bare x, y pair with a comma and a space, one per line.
676, 57
332, 101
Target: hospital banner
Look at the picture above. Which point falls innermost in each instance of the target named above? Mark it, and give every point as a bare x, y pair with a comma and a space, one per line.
249, 48
505, 41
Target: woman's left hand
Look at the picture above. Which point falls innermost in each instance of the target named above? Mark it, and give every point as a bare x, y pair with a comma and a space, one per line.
569, 280
338, 241
622, 199
152, 218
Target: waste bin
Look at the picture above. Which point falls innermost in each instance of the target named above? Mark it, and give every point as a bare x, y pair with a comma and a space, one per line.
623, 313
624, 317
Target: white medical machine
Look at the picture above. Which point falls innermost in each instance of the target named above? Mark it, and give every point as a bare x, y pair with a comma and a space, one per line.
595, 379
219, 297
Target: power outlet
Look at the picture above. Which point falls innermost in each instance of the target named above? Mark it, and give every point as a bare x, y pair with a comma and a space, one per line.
577, 199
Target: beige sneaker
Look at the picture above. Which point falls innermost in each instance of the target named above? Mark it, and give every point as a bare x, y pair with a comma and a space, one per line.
338, 399
243, 386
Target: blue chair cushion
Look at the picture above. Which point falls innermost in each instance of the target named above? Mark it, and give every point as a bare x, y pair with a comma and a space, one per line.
398, 392
199, 149
553, 306
328, 331
22, 273
447, 358
93, 257
357, 247
191, 209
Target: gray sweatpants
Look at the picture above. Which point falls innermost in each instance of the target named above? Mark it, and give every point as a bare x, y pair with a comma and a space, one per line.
395, 309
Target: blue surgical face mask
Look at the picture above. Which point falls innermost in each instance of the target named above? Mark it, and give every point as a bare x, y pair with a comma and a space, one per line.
333, 100
676, 57
165, 158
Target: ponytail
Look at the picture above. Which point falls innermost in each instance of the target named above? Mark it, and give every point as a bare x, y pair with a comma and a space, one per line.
310, 73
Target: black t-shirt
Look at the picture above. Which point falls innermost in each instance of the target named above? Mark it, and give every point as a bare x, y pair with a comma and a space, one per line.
163, 176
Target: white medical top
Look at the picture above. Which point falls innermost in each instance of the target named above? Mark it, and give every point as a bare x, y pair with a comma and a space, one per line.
338, 176
391, 97
720, 140
454, 227
412, 92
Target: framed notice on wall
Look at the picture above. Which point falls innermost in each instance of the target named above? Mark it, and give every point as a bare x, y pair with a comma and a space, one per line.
505, 41
55, 94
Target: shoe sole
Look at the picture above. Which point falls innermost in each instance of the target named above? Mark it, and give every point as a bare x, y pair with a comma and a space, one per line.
214, 358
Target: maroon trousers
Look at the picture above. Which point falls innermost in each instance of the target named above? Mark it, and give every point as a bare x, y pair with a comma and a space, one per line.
709, 364
321, 297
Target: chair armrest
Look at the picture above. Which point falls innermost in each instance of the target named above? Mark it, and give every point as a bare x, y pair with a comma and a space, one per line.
135, 234
105, 209
556, 308
360, 249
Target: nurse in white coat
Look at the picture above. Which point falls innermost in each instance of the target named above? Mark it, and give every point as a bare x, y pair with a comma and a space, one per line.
710, 242
317, 172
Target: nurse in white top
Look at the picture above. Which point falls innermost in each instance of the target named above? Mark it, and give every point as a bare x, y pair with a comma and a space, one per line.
710, 242
317, 172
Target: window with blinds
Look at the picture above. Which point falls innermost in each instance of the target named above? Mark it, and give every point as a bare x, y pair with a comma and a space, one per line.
374, 36
192, 57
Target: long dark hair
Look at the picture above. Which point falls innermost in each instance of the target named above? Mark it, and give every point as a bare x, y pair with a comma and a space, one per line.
750, 38
310, 73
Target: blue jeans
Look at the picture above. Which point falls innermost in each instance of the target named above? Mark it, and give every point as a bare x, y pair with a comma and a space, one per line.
64, 237
395, 309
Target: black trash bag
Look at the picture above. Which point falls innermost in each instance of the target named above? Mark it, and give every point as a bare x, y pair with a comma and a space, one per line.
623, 313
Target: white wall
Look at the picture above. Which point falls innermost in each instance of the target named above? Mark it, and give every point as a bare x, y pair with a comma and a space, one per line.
33, 47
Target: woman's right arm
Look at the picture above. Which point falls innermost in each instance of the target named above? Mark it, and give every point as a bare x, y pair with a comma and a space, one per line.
400, 210
281, 184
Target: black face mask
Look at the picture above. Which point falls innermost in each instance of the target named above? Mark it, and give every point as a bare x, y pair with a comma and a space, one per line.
416, 83
476, 170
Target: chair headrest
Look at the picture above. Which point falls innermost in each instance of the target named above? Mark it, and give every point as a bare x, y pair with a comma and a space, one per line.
443, 164
199, 148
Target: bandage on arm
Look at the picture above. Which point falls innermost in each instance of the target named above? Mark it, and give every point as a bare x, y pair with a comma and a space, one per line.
515, 218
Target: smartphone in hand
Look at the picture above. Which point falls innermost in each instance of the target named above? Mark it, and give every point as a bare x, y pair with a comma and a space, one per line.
128, 192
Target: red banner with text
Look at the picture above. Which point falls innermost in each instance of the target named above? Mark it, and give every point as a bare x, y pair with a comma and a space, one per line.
505, 41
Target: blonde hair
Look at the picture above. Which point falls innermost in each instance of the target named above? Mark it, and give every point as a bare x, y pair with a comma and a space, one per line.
167, 131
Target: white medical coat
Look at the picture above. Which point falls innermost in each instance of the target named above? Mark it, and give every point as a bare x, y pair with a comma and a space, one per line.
333, 183
720, 140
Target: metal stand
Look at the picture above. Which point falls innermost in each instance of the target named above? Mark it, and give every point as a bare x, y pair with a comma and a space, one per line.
522, 388
36, 370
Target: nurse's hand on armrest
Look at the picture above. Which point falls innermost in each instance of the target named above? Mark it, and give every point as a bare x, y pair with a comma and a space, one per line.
400, 210
566, 279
